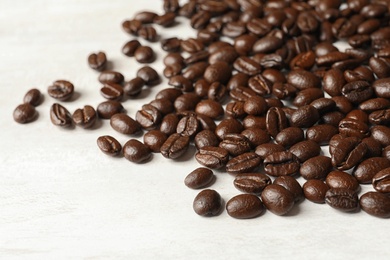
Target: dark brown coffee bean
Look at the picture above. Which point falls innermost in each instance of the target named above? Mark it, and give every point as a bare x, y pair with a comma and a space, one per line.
382, 87
84, 117
289, 136
247, 66
235, 144
304, 60
343, 180
97, 61
172, 70
360, 73
145, 17
169, 124
358, 115
245, 162
148, 33
277, 199
316, 167
333, 82
149, 75
381, 134
256, 136
343, 104
259, 27
228, 126
148, 117
307, 22
347, 152
380, 117
195, 70
191, 45
260, 85
374, 148
25, 113
154, 139
171, 6
305, 116
386, 150
244, 43
357, 91
109, 76
33, 97
241, 93
144, 54
305, 150
130, 47
217, 92
281, 164
109, 145
375, 204
374, 104
234, 29
208, 203
108, 108
188, 126
202, 55
199, 178
181, 83
359, 40
381, 181
200, 19
205, 138
112, 91
284, 90
380, 67
61, 90
171, 44
212, 157
255, 105
263, 150
374, 10
267, 44
324, 48
315, 190
164, 105
343, 28
175, 146
366, 170
137, 152
342, 199
244, 206
60, 116
368, 26
253, 183
186, 102
133, 87
165, 20
124, 124
224, 54
276, 121
218, 72
251, 121
207, 37
132, 26
169, 93
321, 134
302, 79
235, 109
307, 96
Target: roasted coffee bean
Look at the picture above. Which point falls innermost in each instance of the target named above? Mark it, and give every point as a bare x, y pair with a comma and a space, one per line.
358, 115
366, 170
259, 27
302, 79
205, 138
374, 10
191, 45
84, 117
199, 178
148, 33
284, 90
382, 87
260, 85
181, 83
321, 134
195, 70
171, 5
245, 162
263, 150
197, 57
109, 145
343, 28
330, 58
343, 180
384, 53
218, 72
381, 181
255, 105
381, 134
277, 199
343, 104
323, 48
130, 47
137, 152
357, 91
154, 139
307, 96
107, 109
175, 146
375, 204
276, 121
281, 164
133, 87
208, 203
132, 26
145, 17
25, 113
224, 54
217, 92
307, 22
333, 82
124, 124
144, 54
61, 90
97, 61
201, 88
228, 126
251, 121
164, 105
169, 93
165, 20
304, 60
188, 126
380, 38
109, 76
380, 67
186, 102
172, 70
374, 104
360, 73
386, 151
148, 117
234, 29
33, 97
149, 75
253, 183
59, 115
244, 206
267, 44
239, 79
305, 116
244, 43
342, 199
359, 40
380, 117
171, 44
316, 167
235, 109
235, 144
256, 136
241, 93
315, 190
212, 157
112, 91
200, 19
247, 66
290, 136
347, 152
292, 185
207, 37
305, 150
374, 148
169, 124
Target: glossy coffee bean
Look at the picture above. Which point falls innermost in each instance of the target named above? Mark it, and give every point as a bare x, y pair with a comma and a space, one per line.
154, 139
381, 134
130, 47
256, 136
144, 54
112, 91
164, 105
175, 146
277, 199
281, 164
33, 97
218, 72
235, 144
305, 116
133, 87
382, 87
357, 91
61, 90
333, 82
60, 116
212, 157
339, 179
210, 108
84, 117
132, 26
109, 108
315, 190
347, 152
245, 162
228, 126
109, 145
253, 183
205, 138
149, 75
24, 113
244, 206
292, 185
276, 121
171, 44
109, 76
302, 79
208, 203
199, 178
305, 150
321, 134
97, 61
307, 96
148, 33
148, 117
317, 167
342, 199
136, 151
289, 136
188, 126
124, 124
381, 181
263, 150
366, 170
247, 66
375, 204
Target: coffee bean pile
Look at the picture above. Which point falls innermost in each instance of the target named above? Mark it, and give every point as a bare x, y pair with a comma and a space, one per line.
258, 91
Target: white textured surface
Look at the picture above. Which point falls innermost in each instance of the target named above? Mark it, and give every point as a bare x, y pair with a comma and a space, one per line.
61, 198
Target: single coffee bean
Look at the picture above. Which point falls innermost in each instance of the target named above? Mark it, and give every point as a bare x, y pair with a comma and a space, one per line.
186, 102
290, 136
382, 87
175, 146
228, 126
386, 152
207, 203
165, 20
109, 108
112, 91
244, 43
247, 66
97, 61
124, 124
61, 89
304, 60
376, 204
305, 116
133, 87
191, 45
84, 117
199, 178
284, 90
281, 164
277, 199
25, 113
347, 152
244, 206
332, 118
149, 75
210, 108
276, 121
381, 181
260, 85
235, 144
148, 117
321, 134
292, 185
253, 183
195, 70
315, 190
251, 121
245, 162
154, 139
381, 134
217, 92
130, 47
358, 115
256, 136
164, 105
374, 148
144, 54
305, 150
380, 67
333, 82
366, 170
145, 17
188, 126
197, 57
109, 76
135, 151
224, 54
148, 33
302, 79
342, 199
205, 138
263, 150
60, 116
357, 91
169, 93
380, 117
109, 145
339, 179
267, 44
359, 74
172, 70
212, 157
181, 82
351, 127
169, 124
239, 79
307, 96
132, 26
171, 44
331, 58
171, 6
255, 105
33, 97
317, 167
218, 72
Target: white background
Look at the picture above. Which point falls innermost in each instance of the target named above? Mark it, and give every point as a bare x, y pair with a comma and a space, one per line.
61, 198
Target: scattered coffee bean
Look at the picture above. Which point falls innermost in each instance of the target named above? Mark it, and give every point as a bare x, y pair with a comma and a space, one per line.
109, 145
24, 113
316, 167
60, 116
124, 124
208, 203
342, 180
112, 91
253, 183
97, 61
381, 181
212, 157
199, 178
130, 47
109, 76
61, 90
33, 97
144, 54
281, 164
109, 108
154, 139
136, 152
342, 199
244, 206
175, 146
277, 199
84, 117
290, 184
376, 204
315, 190
366, 170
